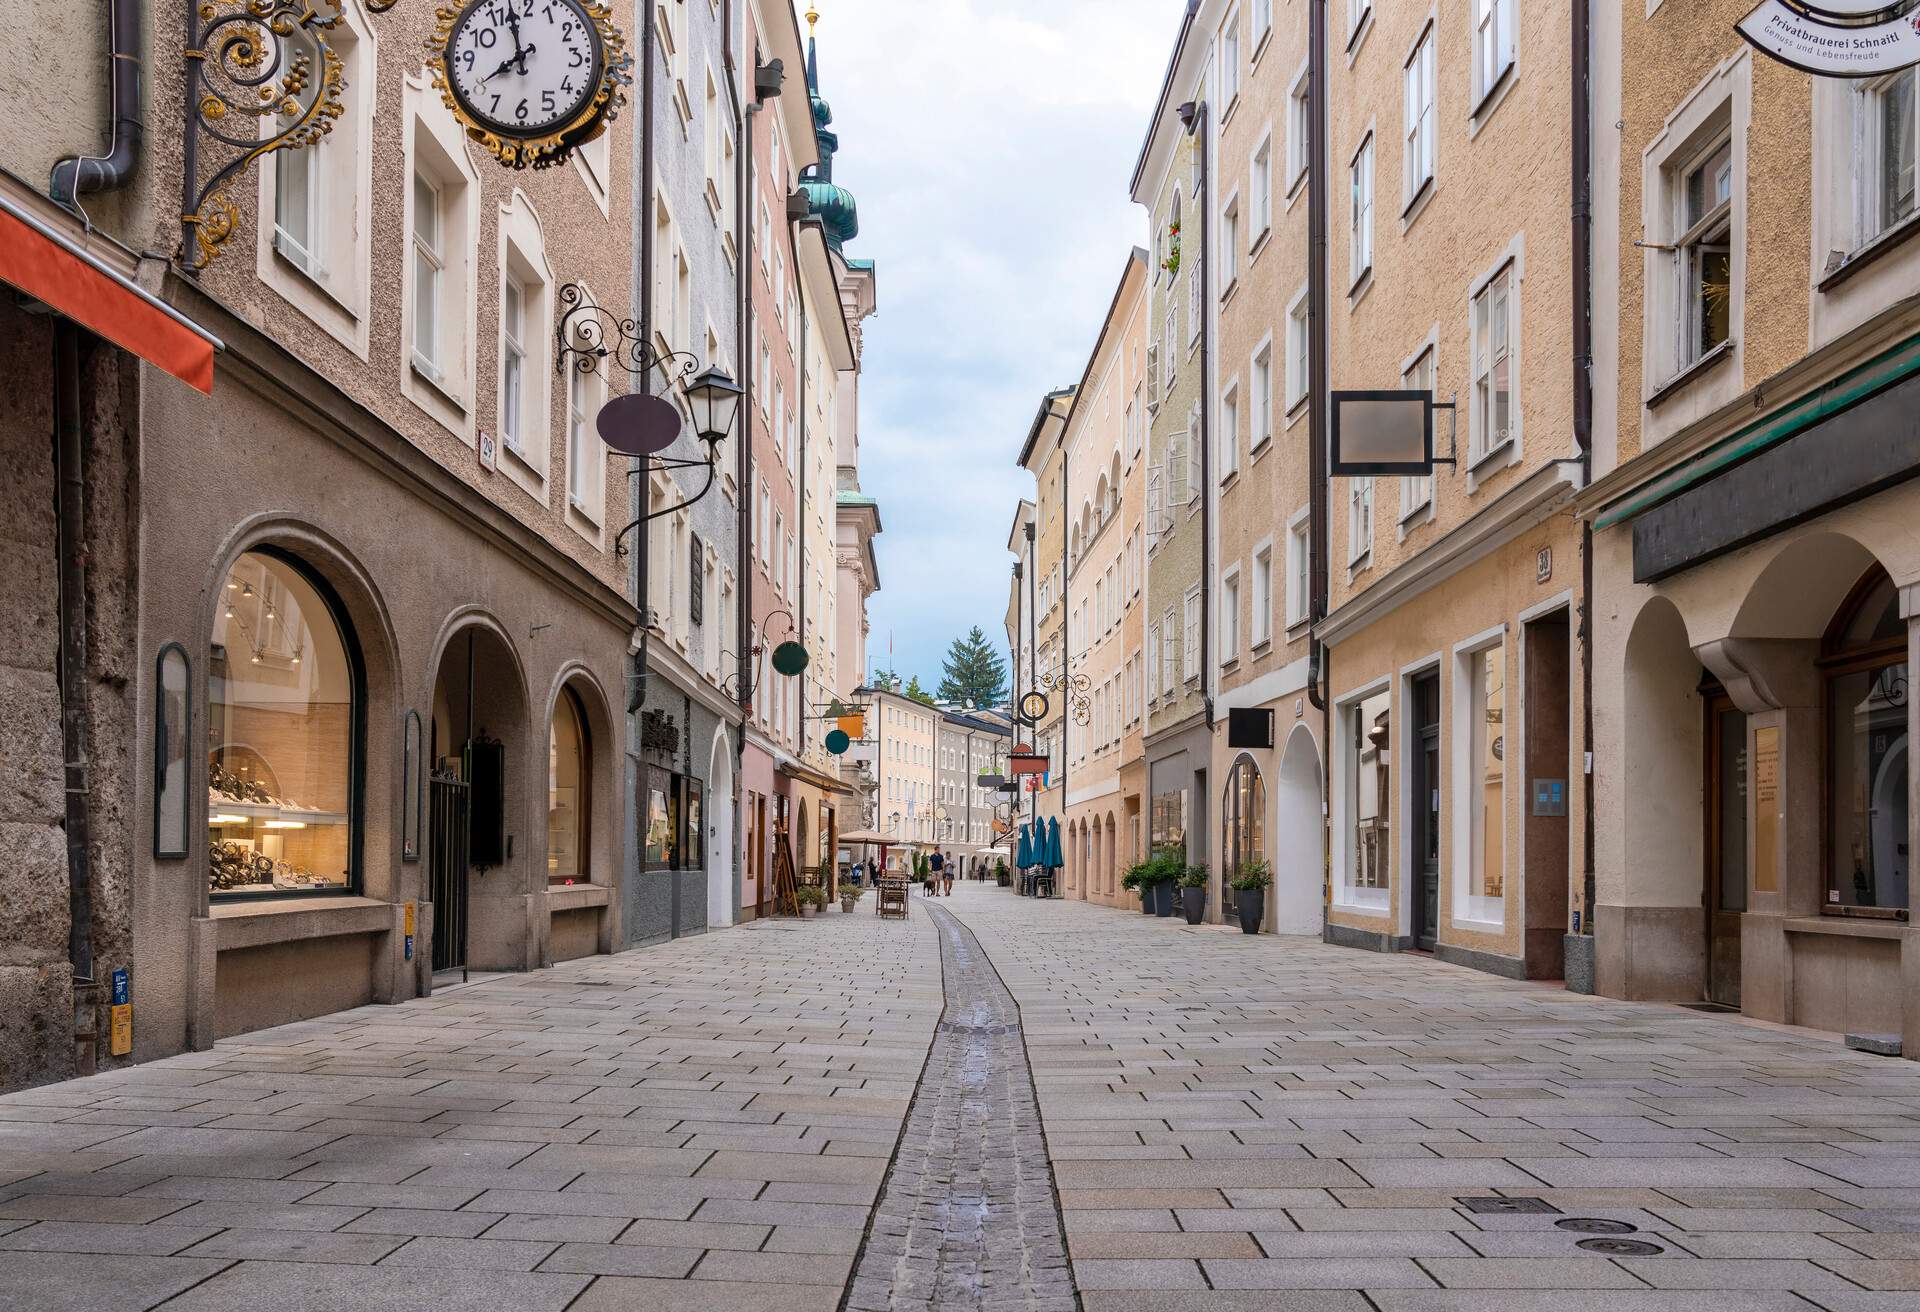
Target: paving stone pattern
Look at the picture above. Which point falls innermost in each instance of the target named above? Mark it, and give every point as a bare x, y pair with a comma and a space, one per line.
1240, 1123
702, 1125
968, 1218
1233, 1124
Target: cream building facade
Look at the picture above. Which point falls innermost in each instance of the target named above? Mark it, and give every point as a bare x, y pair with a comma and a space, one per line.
1105, 449
1049, 660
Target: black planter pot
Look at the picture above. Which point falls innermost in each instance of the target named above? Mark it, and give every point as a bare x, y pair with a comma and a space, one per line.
1163, 899
1146, 899
1252, 903
1193, 901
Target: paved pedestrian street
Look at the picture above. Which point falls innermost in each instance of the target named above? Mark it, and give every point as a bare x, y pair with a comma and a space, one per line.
777, 1117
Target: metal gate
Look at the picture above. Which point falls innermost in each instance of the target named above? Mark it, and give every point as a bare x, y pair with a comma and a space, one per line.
447, 870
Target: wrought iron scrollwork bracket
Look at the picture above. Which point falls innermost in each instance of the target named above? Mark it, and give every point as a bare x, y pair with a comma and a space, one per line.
1077, 689
590, 336
250, 63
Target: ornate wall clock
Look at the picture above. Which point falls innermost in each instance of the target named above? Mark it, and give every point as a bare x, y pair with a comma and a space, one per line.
532, 80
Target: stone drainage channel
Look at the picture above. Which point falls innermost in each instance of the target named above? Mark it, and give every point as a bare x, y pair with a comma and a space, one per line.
967, 1217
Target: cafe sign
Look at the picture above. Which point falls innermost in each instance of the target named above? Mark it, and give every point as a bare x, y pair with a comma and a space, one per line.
1840, 38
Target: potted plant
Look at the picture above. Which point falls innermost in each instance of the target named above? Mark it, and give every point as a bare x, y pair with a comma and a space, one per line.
810, 899
850, 894
1250, 893
1000, 875
1193, 892
1163, 873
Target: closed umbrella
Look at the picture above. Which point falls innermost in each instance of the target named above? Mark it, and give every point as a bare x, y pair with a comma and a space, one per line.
1024, 857
1054, 857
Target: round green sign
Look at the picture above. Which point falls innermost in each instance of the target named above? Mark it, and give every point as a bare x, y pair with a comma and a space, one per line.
789, 658
838, 742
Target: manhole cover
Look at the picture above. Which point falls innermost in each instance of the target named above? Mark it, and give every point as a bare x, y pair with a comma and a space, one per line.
1595, 1225
1621, 1247
1535, 1205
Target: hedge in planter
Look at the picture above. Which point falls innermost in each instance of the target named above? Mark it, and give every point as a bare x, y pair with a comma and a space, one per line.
1193, 893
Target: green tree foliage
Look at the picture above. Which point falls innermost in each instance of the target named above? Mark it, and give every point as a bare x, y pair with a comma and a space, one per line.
916, 692
973, 672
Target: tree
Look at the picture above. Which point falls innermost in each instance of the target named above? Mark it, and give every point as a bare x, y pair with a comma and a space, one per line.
917, 693
973, 672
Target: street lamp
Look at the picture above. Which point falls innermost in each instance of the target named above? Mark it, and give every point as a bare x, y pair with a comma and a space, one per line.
715, 400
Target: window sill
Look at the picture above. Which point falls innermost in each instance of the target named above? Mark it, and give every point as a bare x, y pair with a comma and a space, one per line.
1359, 35
424, 370
1296, 187
1261, 240
1226, 295
1261, 44
1482, 462
1412, 513
1259, 448
1295, 410
574, 897
1489, 98
1298, 629
1706, 364
1261, 646
1361, 284
1228, 479
1417, 206
266, 921
1898, 235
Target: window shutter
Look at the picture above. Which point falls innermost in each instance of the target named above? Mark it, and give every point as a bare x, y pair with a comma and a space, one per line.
696, 579
1177, 470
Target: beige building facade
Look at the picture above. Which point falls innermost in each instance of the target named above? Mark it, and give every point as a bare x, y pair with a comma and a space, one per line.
1755, 581
1105, 441
1049, 660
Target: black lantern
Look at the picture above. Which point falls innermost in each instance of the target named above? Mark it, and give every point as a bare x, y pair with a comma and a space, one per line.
715, 399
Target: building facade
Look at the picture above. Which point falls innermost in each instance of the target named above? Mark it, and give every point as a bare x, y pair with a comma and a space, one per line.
1045, 541
1105, 448
1754, 580
968, 744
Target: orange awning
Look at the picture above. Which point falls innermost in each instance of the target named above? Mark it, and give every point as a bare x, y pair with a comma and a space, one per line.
49, 268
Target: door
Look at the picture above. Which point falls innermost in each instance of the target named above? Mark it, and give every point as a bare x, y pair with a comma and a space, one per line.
1425, 799
1726, 846
447, 868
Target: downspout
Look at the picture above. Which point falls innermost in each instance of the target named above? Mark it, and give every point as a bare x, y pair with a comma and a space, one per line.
637, 695
1319, 659
1066, 612
743, 456
1033, 655
70, 492
1195, 118
76, 175
1583, 406
800, 505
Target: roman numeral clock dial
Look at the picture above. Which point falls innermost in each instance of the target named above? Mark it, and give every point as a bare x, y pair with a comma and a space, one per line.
531, 79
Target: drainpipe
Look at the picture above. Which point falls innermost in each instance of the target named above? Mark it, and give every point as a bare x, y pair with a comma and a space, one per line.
743, 455
76, 175
1319, 659
800, 501
70, 484
1066, 606
1583, 404
1194, 116
637, 695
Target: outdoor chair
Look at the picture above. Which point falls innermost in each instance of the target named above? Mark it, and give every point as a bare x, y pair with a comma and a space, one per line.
893, 898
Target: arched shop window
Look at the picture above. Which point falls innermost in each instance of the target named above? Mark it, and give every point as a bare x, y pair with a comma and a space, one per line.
568, 784
1245, 811
284, 696
1864, 669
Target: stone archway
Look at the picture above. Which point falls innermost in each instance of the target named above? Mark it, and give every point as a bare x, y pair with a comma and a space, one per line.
1299, 873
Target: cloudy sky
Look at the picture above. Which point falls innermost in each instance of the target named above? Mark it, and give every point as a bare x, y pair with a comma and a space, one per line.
989, 144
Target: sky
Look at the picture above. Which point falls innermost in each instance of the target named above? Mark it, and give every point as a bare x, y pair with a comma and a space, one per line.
989, 145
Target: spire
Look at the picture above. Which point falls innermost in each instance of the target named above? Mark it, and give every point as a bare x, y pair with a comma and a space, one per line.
831, 204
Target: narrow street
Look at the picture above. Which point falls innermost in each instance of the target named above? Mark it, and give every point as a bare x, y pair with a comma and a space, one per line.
711, 1123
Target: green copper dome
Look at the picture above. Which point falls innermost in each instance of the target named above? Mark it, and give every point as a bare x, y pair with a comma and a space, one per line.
833, 205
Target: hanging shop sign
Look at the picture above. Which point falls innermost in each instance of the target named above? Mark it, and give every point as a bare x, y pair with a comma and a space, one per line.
530, 80
1838, 38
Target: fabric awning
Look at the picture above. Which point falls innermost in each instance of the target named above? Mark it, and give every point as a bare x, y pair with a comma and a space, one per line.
51, 269
871, 837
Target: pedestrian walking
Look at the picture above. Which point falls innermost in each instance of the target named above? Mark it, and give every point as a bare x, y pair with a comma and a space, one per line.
946, 876
935, 863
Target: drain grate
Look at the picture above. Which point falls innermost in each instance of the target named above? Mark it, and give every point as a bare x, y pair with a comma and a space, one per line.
1595, 1225
1621, 1247
1509, 1205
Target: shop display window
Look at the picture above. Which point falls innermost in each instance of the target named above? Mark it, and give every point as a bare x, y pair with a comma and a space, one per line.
1246, 824
1170, 821
1369, 723
567, 792
693, 849
171, 748
1488, 878
1867, 768
283, 735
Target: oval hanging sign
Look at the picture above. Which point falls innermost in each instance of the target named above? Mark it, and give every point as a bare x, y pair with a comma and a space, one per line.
638, 424
1808, 38
789, 658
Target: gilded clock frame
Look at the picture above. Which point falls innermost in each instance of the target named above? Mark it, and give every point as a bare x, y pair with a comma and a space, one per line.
552, 145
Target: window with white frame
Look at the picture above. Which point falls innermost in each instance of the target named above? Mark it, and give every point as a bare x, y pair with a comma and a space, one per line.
525, 346
1360, 211
1230, 617
1299, 128
1196, 306
429, 270
1299, 565
513, 363
1229, 443
1262, 597
1260, 13
1417, 490
1195, 453
1260, 191
1704, 251
1358, 11
1886, 115
1421, 119
1190, 635
1298, 347
586, 460
1359, 519
1169, 353
1229, 244
1153, 660
1480, 805
1493, 325
1169, 653
1370, 857
1260, 397
1493, 44
1230, 61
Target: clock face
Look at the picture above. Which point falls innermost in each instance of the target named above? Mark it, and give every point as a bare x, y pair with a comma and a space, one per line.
524, 68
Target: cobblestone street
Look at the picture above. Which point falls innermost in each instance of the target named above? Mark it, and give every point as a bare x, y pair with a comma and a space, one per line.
1232, 1123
